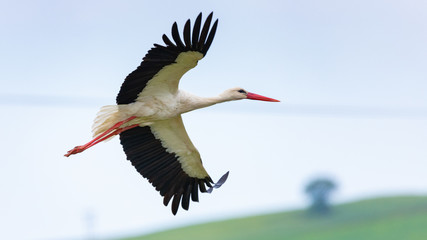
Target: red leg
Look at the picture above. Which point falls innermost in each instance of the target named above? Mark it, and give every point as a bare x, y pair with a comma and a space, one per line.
114, 130
117, 125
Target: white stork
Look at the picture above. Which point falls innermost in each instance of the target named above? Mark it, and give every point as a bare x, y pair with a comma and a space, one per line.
148, 116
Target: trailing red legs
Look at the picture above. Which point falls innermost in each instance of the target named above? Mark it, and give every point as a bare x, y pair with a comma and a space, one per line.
114, 130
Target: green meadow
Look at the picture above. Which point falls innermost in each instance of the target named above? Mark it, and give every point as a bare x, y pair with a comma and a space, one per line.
391, 218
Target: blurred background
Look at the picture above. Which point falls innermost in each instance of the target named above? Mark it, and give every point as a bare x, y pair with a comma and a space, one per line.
351, 76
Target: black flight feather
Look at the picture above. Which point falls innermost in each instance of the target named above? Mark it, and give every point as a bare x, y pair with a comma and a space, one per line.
196, 31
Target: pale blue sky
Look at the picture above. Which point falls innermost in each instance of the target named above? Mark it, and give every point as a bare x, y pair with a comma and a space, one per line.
351, 75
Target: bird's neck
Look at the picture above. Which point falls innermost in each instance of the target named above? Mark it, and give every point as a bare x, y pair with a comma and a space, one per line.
190, 102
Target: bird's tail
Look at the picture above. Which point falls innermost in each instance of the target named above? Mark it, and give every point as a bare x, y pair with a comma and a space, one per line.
105, 127
105, 119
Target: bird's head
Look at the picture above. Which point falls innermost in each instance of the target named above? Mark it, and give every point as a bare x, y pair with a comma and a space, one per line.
238, 93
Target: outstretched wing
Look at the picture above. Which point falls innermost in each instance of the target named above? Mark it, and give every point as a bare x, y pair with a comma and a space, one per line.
163, 66
164, 154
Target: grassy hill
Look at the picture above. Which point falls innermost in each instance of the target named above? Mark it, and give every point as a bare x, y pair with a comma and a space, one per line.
393, 218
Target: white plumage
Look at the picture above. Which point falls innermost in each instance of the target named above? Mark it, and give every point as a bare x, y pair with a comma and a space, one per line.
148, 116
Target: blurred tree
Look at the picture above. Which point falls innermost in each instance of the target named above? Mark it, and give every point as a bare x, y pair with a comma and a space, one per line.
319, 190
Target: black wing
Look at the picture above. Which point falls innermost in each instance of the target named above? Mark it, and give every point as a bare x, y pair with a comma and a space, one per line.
161, 56
162, 168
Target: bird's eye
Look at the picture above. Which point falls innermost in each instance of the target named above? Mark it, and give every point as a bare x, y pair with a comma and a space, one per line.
242, 91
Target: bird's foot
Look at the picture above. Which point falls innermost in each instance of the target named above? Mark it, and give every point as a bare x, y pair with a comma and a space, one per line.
75, 150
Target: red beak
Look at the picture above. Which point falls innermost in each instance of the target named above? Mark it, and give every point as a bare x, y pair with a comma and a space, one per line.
254, 96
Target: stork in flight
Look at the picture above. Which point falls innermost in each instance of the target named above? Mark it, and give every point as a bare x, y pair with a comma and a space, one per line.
148, 116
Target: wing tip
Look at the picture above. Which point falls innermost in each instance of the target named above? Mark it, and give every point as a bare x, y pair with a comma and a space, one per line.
196, 40
183, 196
